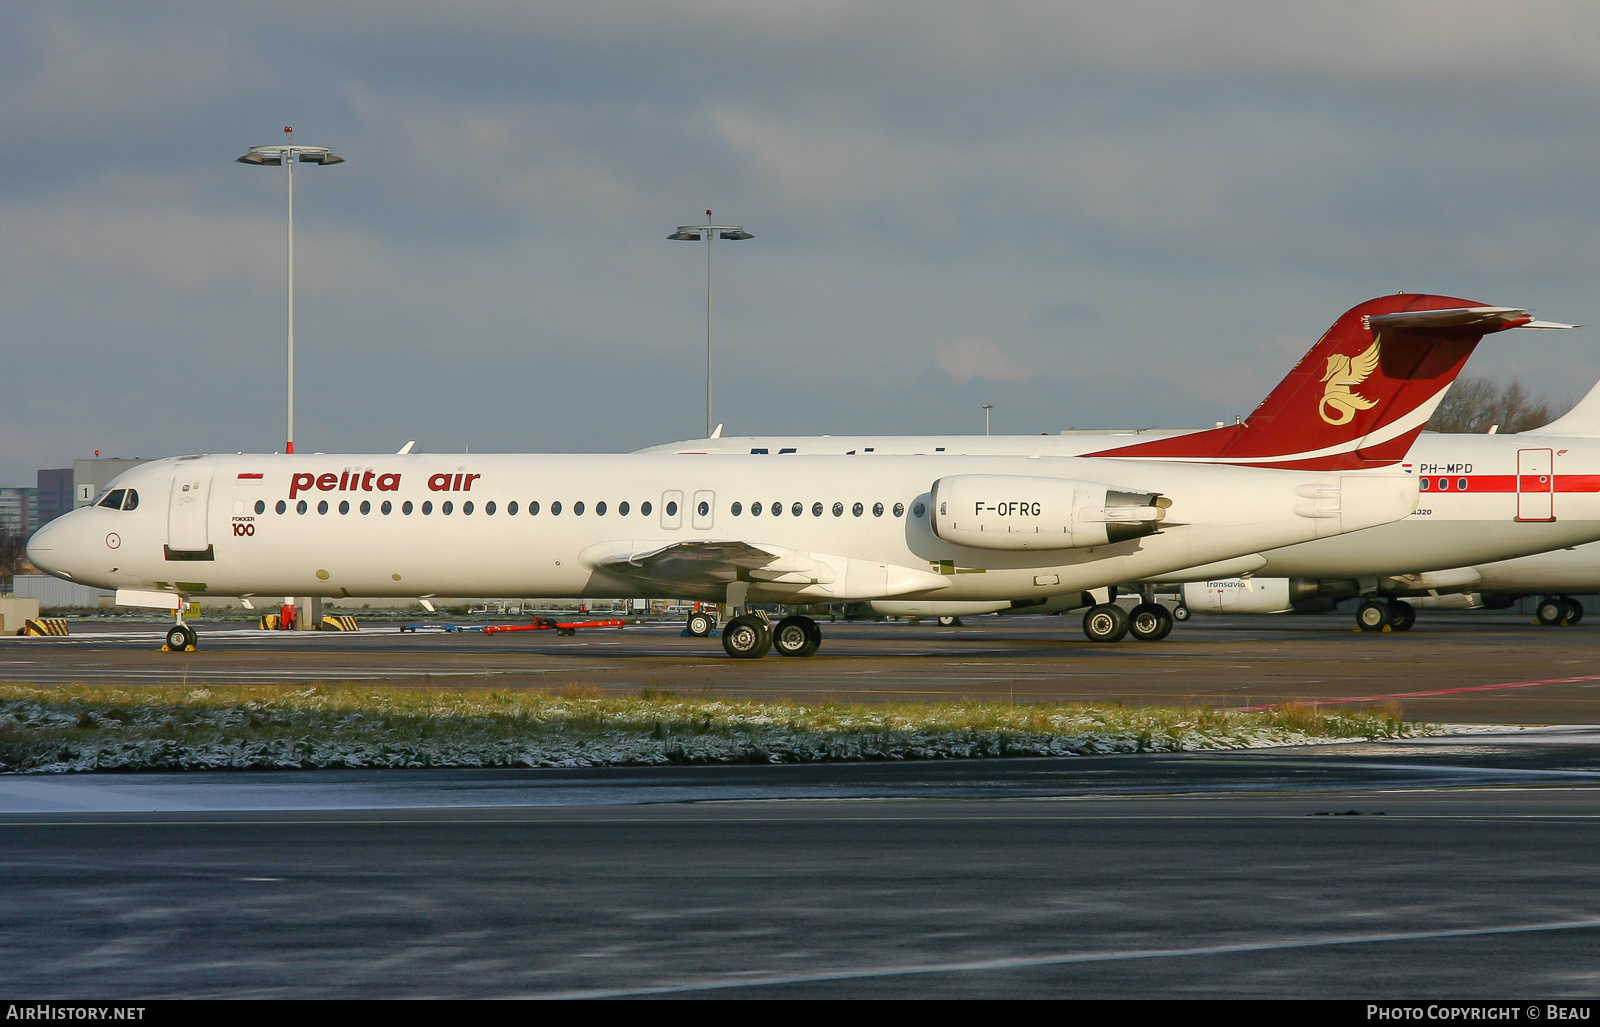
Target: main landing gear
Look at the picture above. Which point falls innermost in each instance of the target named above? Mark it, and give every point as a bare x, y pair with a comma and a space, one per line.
1385, 615
1108, 622
749, 636
1558, 610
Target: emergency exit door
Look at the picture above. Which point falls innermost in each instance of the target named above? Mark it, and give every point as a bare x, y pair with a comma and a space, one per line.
1536, 485
187, 512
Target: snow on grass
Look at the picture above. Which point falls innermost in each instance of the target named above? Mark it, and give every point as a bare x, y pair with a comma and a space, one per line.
261, 727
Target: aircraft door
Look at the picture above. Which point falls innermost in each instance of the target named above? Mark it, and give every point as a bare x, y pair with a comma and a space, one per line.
705, 508
187, 512
672, 509
1535, 485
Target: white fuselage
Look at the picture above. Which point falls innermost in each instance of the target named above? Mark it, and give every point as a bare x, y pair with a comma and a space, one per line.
1451, 527
212, 524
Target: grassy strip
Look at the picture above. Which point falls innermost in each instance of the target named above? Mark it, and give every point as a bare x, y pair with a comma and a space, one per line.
99, 728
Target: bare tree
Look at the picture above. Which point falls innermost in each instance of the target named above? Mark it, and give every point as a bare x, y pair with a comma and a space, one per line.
13, 550
1478, 404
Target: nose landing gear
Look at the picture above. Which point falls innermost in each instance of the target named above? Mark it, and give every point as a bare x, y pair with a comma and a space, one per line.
181, 638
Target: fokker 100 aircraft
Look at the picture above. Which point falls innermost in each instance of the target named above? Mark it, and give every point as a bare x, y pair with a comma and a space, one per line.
1315, 459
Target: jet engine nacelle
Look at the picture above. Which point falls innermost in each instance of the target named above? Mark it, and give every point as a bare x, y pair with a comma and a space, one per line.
1014, 511
1267, 595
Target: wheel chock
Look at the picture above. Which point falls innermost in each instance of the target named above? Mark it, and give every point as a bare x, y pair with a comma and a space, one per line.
713, 633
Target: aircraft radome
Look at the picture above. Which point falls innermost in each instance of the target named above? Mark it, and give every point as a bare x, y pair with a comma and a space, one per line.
1317, 459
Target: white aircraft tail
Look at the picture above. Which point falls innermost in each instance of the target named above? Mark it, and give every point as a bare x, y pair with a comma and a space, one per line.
1582, 421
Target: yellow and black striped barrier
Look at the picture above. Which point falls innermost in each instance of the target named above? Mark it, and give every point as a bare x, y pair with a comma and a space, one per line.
44, 626
332, 623
269, 622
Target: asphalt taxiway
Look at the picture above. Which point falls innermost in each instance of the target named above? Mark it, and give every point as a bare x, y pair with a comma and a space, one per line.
1443, 867
1433, 868
1465, 668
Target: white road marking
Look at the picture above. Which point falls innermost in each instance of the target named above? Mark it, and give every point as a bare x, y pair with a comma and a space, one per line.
1065, 959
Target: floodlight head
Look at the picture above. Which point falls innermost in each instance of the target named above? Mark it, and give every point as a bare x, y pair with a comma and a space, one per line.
682, 236
276, 155
736, 235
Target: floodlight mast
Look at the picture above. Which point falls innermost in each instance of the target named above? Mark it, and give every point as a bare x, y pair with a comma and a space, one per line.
288, 155
692, 233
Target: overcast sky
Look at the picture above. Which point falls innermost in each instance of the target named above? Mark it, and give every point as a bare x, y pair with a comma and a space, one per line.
1087, 214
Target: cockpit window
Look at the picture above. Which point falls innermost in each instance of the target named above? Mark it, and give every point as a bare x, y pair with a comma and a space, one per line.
132, 502
114, 498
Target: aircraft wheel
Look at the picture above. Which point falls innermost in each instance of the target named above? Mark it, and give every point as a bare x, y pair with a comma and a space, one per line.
1182, 613
1150, 622
700, 624
181, 637
949, 622
1374, 616
1401, 615
1550, 611
746, 638
796, 636
1574, 610
1107, 622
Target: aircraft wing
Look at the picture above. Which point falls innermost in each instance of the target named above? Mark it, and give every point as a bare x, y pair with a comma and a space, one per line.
708, 561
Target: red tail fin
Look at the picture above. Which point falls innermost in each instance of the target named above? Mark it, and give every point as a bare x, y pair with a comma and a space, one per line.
1360, 397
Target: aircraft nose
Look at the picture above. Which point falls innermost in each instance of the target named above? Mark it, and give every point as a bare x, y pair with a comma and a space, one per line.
41, 548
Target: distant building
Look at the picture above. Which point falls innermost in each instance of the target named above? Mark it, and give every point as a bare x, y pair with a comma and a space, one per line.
55, 493
91, 475
19, 509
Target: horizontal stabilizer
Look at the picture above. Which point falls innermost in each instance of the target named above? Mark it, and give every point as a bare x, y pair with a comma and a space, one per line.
1481, 320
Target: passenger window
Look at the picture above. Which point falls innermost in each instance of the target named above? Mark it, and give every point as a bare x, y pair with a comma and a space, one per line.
755, 509
533, 508
511, 508
622, 508
672, 509
919, 508
282, 506
899, 508
300, 507
113, 500
816, 509
427, 507
261, 507
1425, 484
466, 508
386, 507
797, 509
366, 507
322, 507
555, 509
1444, 484
857, 510
777, 509
1461, 486
838, 509
645, 508
447, 508
132, 502
600, 508
704, 508
488, 508
405, 508
344, 506
577, 508
736, 509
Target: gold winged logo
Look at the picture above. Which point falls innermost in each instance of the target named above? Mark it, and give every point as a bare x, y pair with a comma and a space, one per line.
1343, 374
